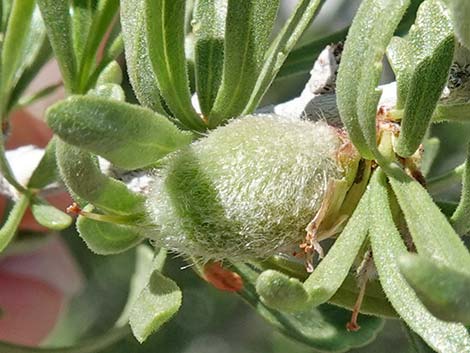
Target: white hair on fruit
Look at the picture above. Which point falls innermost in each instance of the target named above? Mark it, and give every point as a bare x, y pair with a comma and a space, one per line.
246, 191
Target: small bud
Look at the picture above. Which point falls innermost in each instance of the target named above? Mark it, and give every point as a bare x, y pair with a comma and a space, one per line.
246, 191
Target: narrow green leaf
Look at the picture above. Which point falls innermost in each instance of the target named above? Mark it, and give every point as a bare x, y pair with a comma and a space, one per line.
14, 43
322, 328
166, 53
458, 111
445, 292
285, 40
49, 216
33, 98
81, 174
127, 135
361, 68
209, 30
156, 304
13, 221
102, 18
460, 10
39, 53
461, 217
248, 26
105, 238
387, 247
46, 171
432, 234
139, 67
57, 19
333, 269
422, 63
82, 17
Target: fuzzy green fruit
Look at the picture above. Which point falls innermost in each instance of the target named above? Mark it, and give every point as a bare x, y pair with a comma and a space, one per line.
246, 191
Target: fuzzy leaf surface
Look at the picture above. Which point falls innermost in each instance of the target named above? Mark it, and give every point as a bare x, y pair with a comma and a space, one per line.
58, 23
321, 328
105, 238
83, 177
445, 292
127, 135
156, 304
432, 234
139, 67
167, 56
361, 67
388, 247
209, 30
421, 63
248, 26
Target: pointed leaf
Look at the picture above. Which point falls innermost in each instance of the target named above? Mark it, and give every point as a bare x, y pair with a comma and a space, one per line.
333, 269
322, 328
445, 292
422, 72
13, 46
127, 135
57, 19
107, 238
10, 227
248, 26
166, 53
283, 43
139, 67
83, 177
387, 247
209, 30
461, 217
49, 216
432, 234
361, 68
102, 18
156, 304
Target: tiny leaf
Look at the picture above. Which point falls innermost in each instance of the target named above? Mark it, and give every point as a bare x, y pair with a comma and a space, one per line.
248, 26
445, 292
387, 247
127, 135
361, 68
83, 177
107, 238
49, 216
166, 53
156, 304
